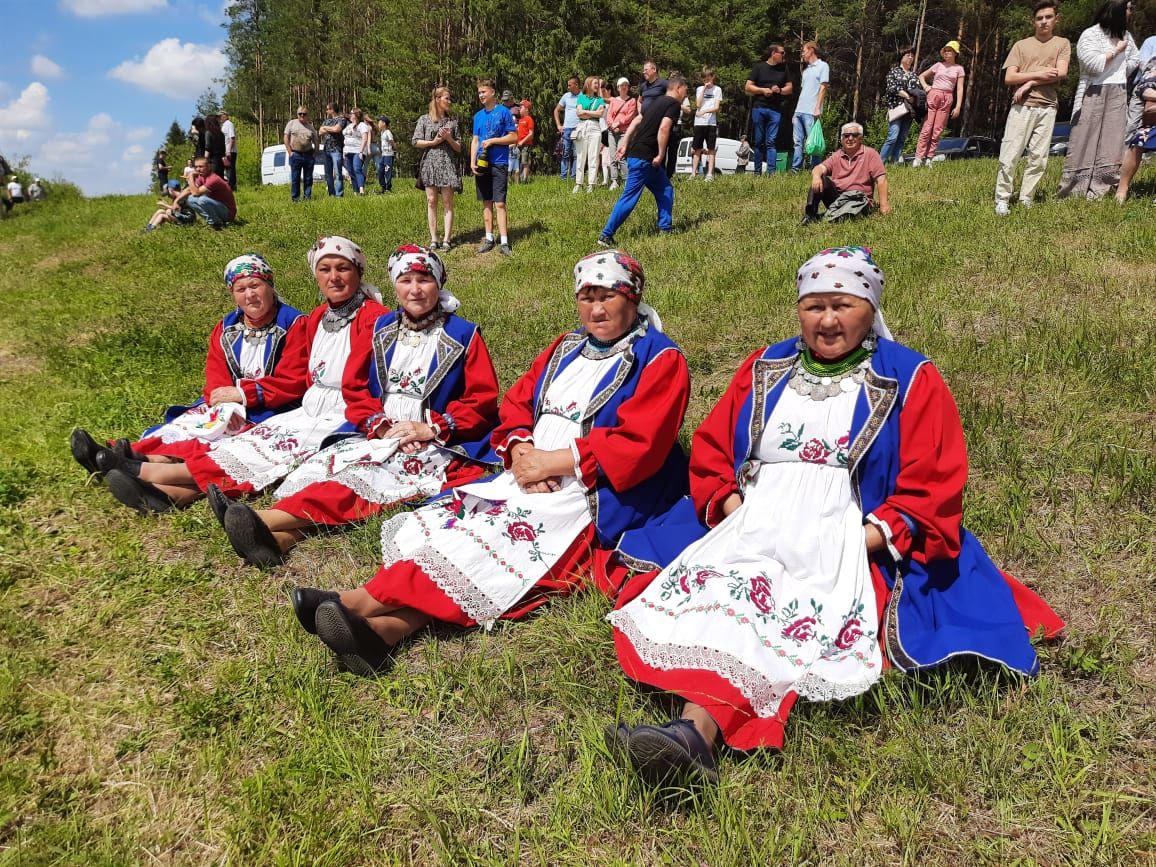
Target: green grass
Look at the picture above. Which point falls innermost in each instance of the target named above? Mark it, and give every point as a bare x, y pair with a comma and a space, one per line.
159, 703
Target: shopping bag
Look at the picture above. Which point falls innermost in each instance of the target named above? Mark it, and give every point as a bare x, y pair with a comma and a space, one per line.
816, 145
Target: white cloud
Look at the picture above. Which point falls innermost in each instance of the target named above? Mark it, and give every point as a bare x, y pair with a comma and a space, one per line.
29, 111
43, 67
139, 133
101, 8
180, 70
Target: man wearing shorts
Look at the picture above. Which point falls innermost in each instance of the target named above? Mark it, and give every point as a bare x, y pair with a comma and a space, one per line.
707, 100
494, 132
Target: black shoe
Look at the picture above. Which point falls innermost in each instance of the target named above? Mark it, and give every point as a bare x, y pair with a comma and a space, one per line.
107, 459
305, 602
603, 241
672, 753
617, 739
809, 220
251, 538
124, 448
84, 449
359, 649
486, 246
137, 494
218, 503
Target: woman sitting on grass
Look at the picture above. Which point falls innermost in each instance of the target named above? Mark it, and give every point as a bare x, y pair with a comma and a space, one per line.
261, 335
253, 460
831, 476
589, 437
421, 405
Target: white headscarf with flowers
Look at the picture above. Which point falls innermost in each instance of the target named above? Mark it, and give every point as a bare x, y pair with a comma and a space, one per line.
335, 245
613, 269
847, 270
414, 257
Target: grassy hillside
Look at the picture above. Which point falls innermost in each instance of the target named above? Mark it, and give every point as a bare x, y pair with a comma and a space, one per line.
159, 703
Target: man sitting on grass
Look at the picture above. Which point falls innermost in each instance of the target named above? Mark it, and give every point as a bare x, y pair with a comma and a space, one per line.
209, 196
846, 181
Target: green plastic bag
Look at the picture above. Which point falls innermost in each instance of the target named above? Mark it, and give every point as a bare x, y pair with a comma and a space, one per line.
816, 145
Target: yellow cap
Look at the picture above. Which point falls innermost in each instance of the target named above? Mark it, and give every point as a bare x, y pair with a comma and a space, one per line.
953, 45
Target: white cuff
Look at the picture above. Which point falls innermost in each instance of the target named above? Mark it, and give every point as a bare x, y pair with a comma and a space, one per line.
885, 529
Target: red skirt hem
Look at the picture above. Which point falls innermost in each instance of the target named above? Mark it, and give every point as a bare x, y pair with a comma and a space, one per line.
404, 584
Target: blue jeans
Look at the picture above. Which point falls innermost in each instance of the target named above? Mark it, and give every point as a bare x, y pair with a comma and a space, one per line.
300, 175
766, 130
569, 164
642, 173
214, 213
334, 182
896, 135
385, 173
802, 124
355, 165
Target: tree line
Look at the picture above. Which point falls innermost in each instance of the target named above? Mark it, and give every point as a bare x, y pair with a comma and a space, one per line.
386, 56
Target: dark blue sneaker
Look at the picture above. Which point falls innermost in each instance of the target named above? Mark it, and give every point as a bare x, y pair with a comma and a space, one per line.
672, 752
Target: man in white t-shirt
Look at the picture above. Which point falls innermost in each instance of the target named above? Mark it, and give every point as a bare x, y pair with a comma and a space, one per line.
230, 133
707, 101
15, 191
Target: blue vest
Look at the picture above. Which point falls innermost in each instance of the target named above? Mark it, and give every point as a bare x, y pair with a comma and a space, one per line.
937, 610
232, 340
445, 379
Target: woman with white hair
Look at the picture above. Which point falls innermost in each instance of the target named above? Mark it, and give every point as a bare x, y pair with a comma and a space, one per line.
252, 461
824, 539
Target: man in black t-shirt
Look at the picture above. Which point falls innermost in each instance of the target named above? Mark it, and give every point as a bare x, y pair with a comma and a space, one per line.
769, 83
645, 147
332, 143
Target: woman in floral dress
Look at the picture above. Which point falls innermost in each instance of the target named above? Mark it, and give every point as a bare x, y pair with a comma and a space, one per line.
589, 438
260, 335
420, 407
436, 136
830, 476
252, 461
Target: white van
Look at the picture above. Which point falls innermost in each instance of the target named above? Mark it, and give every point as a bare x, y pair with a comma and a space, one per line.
725, 158
275, 168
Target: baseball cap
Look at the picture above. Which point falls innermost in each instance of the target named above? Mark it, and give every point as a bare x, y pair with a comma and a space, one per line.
621, 81
507, 95
383, 118
526, 103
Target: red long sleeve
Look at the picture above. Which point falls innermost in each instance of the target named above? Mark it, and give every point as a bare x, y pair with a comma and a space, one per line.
712, 460
289, 381
516, 414
647, 427
932, 472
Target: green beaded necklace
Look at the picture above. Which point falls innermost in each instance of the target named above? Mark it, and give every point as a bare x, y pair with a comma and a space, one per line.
835, 368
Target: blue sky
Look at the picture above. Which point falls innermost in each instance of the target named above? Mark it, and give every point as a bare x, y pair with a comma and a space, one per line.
88, 88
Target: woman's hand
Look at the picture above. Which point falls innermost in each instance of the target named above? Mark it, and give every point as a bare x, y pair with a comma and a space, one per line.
955, 112
412, 435
731, 503
545, 487
875, 540
532, 465
225, 394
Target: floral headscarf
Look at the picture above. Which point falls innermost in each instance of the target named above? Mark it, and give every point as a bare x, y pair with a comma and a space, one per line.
613, 269
248, 265
335, 245
414, 257
848, 270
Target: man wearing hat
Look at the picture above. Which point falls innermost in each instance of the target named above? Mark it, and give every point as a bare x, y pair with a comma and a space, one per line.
525, 140
385, 160
161, 167
847, 181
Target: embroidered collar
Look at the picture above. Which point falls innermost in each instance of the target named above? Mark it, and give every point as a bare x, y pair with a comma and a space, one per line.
337, 318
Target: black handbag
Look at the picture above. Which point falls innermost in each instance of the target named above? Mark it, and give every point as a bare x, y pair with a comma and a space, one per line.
417, 181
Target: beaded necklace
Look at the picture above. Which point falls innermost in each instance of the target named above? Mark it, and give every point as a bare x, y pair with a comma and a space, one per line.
415, 331
820, 380
336, 318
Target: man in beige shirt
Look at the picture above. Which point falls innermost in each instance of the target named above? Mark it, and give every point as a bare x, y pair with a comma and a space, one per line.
300, 147
1034, 67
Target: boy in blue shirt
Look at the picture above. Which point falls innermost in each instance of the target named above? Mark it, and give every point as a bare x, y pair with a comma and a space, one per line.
494, 132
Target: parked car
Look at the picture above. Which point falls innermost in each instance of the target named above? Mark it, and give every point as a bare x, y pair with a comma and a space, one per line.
1060, 134
725, 157
275, 168
963, 148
